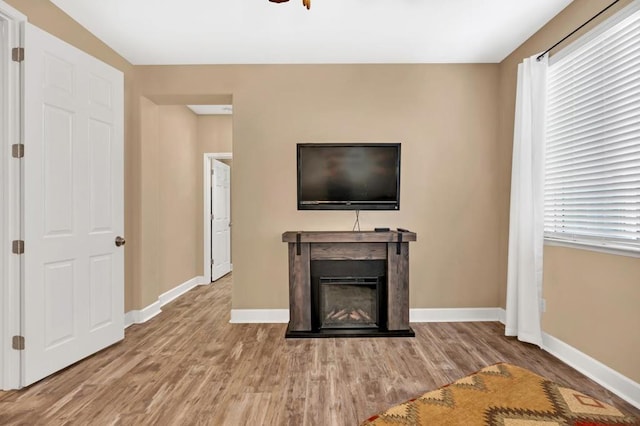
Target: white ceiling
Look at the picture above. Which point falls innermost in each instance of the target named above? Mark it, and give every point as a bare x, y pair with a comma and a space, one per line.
155, 32
211, 109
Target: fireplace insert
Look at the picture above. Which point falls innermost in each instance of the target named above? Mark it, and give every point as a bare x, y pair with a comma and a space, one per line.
348, 296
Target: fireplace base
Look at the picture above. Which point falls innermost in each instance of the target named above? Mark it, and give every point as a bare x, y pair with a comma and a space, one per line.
347, 332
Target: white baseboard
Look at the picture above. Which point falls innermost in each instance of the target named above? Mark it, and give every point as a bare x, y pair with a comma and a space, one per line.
145, 314
129, 318
605, 376
142, 315
178, 291
240, 316
454, 315
502, 316
617, 383
267, 316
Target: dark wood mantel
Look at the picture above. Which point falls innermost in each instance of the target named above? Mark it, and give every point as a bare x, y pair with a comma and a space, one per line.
390, 246
347, 236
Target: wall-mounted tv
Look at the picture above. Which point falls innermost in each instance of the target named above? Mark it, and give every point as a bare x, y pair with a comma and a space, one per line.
348, 176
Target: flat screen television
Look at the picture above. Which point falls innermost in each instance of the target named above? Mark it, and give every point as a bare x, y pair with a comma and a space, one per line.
348, 176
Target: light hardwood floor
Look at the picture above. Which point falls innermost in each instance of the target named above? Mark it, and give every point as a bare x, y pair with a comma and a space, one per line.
190, 366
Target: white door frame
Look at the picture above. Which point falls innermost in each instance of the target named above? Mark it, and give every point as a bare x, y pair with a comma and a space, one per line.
208, 163
11, 112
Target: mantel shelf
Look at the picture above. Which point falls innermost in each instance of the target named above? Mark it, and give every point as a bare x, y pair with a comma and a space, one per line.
347, 236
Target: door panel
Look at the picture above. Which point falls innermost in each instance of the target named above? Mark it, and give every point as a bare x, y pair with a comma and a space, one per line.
100, 160
59, 294
73, 206
58, 171
101, 278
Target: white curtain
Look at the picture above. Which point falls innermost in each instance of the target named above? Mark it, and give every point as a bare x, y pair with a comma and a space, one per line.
526, 226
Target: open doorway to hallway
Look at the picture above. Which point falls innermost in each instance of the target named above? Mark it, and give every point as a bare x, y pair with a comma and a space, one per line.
215, 124
175, 253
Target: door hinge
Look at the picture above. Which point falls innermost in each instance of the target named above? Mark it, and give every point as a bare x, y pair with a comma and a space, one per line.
17, 150
18, 343
18, 247
212, 216
17, 54
212, 262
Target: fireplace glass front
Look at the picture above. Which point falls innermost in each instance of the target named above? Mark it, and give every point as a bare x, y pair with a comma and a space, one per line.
347, 302
348, 295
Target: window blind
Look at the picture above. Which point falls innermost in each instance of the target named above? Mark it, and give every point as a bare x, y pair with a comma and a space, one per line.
592, 162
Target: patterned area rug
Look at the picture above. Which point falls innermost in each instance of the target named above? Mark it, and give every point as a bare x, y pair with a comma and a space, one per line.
503, 394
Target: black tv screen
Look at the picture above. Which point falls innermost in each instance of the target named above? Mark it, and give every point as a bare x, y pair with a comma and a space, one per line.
340, 176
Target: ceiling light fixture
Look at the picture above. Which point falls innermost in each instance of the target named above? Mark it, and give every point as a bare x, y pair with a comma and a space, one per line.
305, 3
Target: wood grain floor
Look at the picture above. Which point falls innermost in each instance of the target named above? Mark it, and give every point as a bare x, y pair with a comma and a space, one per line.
190, 366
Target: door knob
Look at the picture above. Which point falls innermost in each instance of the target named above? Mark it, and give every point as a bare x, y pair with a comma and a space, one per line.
120, 241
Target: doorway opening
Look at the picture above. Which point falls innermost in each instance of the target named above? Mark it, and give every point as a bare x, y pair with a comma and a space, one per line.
217, 215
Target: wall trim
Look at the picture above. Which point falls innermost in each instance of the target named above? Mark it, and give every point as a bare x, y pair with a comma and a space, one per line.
178, 291
607, 377
266, 316
142, 315
148, 312
454, 315
246, 316
502, 315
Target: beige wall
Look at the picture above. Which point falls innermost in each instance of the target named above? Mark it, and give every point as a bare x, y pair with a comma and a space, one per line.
215, 133
444, 115
47, 16
179, 217
592, 298
149, 167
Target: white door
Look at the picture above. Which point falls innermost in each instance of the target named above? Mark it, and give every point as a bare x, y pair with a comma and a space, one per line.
73, 300
220, 220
